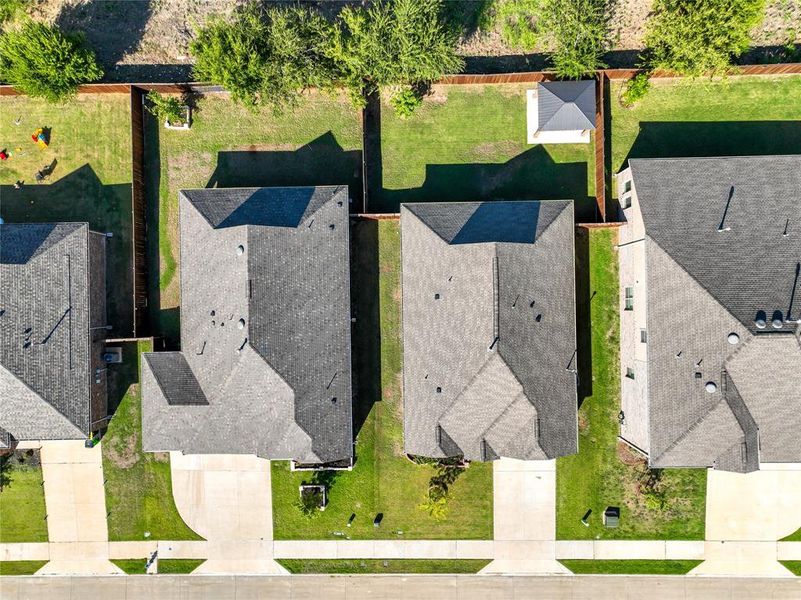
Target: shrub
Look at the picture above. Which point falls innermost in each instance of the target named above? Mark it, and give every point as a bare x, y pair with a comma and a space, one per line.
694, 37
579, 29
406, 101
405, 42
165, 107
636, 88
309, 502
436, 508
518, 22
41, 61
265, 57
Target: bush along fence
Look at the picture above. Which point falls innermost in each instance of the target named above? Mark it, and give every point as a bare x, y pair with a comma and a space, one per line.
139, 200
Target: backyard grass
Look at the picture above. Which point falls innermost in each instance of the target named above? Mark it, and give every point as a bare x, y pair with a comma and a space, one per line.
407, 565
734, 117
631, 567
793, 565
22, 503
230, 146
468, 142
21, 567
793, 537
138, 484
170, 566
604, 472
90, 156
383, 481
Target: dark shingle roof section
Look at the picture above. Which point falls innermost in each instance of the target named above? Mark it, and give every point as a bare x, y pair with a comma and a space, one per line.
566, 105
265, 328
720, 250
46, 380
489, 329
175, 378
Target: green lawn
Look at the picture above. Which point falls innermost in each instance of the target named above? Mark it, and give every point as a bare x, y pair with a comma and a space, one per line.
383, 480
231, 146
631, 567
597, 476
22, 503
90, 145
356, 566
469, 143
793, 537
20, 567
793, 565
138, 484
170, 566
734, 117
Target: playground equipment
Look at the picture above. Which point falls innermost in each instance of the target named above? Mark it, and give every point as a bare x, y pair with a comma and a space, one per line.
39, 138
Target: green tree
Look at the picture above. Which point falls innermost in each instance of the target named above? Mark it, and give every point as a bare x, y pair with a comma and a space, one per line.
40, 60
697, 37
165, 107
265, 57
579, 30
404, 42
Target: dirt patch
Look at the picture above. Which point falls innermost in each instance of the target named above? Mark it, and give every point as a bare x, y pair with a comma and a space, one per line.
123, 452
628, 456
162, 457
438, 94
583, 422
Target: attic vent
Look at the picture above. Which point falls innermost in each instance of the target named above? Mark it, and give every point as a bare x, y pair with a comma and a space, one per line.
241, 324
240, 250
331, 226
761, 319
212, 313
334, 400
778, 320
436, 296
538, 318
439, 390
698, 375
711, 387
733, 338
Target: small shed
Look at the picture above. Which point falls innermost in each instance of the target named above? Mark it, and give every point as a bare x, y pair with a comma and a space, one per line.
561, 112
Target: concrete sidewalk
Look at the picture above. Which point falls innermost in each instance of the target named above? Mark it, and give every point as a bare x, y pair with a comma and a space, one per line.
76, 509
227, 499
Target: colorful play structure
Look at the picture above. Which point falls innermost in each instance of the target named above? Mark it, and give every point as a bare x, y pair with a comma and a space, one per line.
39, 138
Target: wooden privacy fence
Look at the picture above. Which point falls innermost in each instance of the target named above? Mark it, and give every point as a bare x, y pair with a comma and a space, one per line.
139, 212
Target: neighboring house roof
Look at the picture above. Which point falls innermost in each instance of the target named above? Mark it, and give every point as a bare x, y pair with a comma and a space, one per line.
489, 330
265, 328
566, 105
723, 249
46, 354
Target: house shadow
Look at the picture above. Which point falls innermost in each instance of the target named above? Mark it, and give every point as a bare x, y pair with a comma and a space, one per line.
584, 298
668, 139
366, 330
80, 196
113, 28
531, 175
320, 162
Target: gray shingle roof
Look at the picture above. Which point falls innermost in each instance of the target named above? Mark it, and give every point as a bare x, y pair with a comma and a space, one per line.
47, 350
489, 329
566, 105
710, 271
265, 328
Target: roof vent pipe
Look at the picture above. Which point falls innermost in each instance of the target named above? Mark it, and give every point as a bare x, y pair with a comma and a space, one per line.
733, 338
761, 319
778, 320
711, 387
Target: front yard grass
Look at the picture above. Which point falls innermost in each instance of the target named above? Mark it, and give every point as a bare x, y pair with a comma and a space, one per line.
468, 142
372, 566
631, 567
793, 537
90, 157
739, 116
604, 472
22, 502
138, 484
383, 480
793, 565
20, 567
228, 145
169, 566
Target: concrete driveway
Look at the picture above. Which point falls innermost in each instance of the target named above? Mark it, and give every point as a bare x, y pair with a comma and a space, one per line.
76, 509
746, 515
227, 499
524, 512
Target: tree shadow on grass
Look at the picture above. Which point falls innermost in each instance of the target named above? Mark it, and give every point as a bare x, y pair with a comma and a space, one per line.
674, 139
80, 196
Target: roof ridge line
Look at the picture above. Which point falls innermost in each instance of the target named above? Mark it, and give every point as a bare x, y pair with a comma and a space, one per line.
338, 191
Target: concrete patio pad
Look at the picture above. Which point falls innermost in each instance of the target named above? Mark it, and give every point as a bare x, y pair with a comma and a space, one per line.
227, 499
